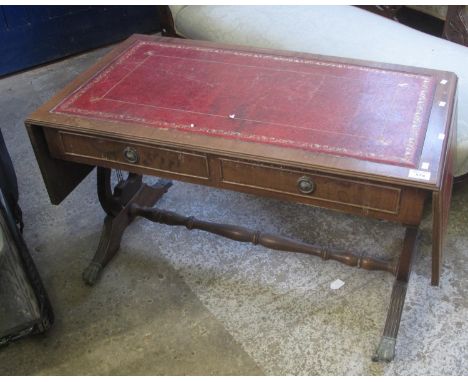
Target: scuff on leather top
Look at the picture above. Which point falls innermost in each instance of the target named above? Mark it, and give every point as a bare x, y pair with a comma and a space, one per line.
323, 106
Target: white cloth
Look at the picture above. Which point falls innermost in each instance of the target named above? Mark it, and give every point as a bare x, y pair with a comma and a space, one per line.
343, 31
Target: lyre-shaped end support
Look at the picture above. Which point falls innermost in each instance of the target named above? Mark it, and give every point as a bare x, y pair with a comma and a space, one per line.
117, 206
386, 349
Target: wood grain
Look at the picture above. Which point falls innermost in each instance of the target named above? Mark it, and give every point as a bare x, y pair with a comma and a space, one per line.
277, 242
441, 205
380, 190
346, 194
386, 349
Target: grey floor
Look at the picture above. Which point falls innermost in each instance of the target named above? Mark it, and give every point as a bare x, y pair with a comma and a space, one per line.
184, 302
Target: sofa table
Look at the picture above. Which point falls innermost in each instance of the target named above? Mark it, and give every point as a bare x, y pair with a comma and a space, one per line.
358, 137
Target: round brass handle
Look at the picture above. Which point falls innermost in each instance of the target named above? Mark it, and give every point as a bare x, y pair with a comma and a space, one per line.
130, 155
305, 185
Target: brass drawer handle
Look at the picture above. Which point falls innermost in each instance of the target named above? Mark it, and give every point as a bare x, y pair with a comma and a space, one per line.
305, 185
131, 155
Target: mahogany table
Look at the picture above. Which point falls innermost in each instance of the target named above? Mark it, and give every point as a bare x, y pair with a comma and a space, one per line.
359, 137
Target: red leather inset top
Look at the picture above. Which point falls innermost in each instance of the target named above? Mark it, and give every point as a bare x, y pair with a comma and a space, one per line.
323, 106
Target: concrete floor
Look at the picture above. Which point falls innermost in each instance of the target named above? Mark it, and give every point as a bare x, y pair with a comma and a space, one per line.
185, 302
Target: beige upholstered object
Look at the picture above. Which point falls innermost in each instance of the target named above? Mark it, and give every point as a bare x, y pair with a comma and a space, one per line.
336, 31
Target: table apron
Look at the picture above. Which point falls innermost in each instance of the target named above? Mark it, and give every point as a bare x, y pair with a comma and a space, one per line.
346, 194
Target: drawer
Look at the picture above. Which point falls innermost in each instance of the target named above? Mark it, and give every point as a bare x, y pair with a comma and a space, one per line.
310, 186
104, 151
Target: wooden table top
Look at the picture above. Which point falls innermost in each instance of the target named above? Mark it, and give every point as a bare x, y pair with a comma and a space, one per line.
379, 121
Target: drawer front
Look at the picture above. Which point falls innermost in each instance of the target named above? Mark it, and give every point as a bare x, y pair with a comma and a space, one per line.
103, 150
311, 187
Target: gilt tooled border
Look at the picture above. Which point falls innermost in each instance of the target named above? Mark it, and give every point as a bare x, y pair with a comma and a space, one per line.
67, 104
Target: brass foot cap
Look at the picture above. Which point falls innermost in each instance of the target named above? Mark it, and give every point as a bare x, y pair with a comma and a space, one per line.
386, 350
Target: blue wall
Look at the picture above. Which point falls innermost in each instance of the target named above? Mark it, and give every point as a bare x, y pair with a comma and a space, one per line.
32, 35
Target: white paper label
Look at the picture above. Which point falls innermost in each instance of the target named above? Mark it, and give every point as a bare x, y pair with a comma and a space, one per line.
425, 166
337, 284
418, 174
441, 136
442, 103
